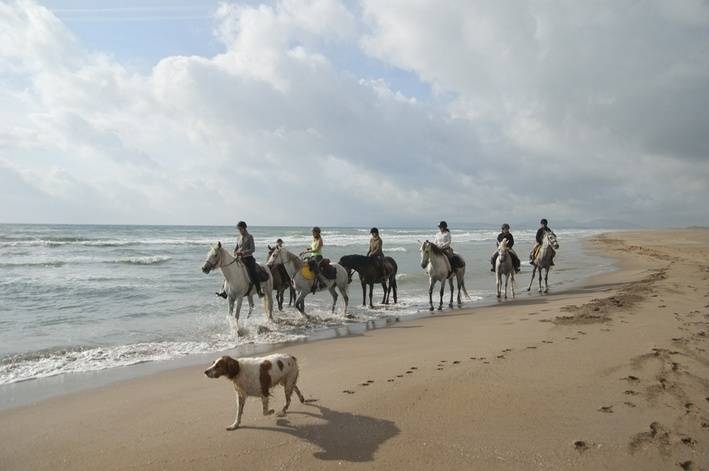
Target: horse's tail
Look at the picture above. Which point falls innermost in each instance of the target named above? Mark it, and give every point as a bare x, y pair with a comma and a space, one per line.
465, 291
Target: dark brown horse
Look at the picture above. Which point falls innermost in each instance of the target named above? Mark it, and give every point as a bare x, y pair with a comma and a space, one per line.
281, 282
370, 273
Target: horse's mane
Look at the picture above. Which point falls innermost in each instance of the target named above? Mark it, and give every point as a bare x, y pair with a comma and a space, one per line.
435, 249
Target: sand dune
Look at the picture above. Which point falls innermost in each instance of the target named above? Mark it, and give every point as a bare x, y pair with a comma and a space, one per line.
611, 376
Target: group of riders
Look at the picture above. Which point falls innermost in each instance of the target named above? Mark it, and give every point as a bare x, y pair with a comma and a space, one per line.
245, 248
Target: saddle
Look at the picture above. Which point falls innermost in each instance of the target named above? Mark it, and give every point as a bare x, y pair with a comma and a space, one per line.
261, 273
327, 270
457, 262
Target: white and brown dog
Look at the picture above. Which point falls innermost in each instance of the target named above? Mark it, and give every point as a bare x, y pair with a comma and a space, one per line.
255, 377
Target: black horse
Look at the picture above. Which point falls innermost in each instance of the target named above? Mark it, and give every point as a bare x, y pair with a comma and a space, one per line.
370, 273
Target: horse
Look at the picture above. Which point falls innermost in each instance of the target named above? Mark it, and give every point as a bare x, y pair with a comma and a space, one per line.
504, 266
543, 260
303, 278
238, 283
369, 274
279, 283
435, 262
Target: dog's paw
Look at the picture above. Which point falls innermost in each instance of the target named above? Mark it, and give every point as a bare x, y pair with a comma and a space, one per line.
232, 427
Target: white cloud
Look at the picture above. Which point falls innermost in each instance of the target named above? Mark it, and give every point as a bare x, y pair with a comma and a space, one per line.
595, 111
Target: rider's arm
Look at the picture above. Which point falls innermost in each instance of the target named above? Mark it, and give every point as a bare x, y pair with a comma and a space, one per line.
248, 247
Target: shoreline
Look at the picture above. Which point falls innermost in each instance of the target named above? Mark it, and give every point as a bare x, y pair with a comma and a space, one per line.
607, 376
32, 391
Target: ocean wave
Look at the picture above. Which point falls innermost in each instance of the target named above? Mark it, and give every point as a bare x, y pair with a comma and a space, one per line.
150, 260
396, 249
49, 263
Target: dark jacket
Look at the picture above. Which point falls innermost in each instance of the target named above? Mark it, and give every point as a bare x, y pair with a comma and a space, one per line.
508, 236
540, 234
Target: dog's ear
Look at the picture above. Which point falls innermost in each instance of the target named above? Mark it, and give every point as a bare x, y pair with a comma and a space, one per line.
232, 367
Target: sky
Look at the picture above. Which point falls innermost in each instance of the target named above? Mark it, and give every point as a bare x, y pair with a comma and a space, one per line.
354, 113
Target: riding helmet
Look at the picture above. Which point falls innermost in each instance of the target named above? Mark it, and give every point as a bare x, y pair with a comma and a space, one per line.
443, 225
374, 230
543, 222
241, 224
505, 226
316, 229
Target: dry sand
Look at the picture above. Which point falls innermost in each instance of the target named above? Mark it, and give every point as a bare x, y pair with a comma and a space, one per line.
612, 376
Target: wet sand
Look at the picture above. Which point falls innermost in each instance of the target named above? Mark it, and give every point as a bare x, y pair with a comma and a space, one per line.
614, 375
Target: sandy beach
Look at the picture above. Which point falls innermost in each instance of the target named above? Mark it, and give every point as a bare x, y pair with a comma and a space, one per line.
614, 375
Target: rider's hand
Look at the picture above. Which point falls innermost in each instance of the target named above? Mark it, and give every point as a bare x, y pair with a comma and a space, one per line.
239, 253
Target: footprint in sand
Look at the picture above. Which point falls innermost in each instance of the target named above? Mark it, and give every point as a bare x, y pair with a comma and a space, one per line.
473, 358
631, 378
687, 465
605, 330
531, 347
347, 391
689, 441
456, 362
501, 357
390, 380
547, 341
413, 367
408, 372
629, 404
630, 392
399, 376
486, 362
506, 350
606, 409
439, 369
580, 446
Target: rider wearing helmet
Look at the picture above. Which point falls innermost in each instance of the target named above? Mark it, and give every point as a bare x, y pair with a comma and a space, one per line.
543, 228
244, 249
375, 250
442, 240
506, 234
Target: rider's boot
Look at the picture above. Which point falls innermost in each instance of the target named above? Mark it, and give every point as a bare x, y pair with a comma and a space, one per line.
221, 294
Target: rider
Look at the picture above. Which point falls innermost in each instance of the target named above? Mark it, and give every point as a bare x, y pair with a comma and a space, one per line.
443, 241
315, 251
375, 250
543, 229
506, 234
282, 268
244, 249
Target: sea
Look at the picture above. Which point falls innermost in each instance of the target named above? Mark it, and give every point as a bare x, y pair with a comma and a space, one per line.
81, 299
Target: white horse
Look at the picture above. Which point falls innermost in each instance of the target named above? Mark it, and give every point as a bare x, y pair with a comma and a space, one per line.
237, 282
435, 262
303, 281
504, 266
543, 260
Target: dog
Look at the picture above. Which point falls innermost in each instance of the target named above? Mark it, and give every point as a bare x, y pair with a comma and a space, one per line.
256, 377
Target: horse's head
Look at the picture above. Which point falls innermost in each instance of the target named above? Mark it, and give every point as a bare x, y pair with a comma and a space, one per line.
213, 258
551, 240
425, 250
503, 250
347, 264
276, 256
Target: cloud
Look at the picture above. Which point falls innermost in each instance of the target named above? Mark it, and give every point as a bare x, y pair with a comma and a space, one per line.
576, 114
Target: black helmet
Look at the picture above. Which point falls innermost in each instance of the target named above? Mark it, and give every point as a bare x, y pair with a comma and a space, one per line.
505, 226
279, 241
543, 222
316, 229
443, 225
241, 224
374, 230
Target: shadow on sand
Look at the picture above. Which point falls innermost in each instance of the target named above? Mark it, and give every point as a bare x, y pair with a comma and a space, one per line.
340, 436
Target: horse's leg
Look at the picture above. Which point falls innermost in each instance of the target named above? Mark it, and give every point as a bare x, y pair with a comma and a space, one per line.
450, 285
507, 278
513, 282
333, 293
392, 283
498, 282
546, 281
250, 297
385, 289
443, 288
371, 293
345, 297
364, 293
540, 280
431, 283
534, 272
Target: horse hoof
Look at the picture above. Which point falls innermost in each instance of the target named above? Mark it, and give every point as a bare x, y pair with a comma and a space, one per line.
431, 308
